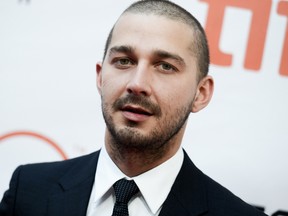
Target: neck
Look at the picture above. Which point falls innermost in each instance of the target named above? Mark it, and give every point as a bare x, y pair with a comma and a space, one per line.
133, 161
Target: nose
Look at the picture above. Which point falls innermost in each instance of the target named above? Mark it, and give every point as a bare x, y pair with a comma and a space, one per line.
140, 81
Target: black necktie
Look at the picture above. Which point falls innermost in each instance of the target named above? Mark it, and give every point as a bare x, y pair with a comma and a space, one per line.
124, 191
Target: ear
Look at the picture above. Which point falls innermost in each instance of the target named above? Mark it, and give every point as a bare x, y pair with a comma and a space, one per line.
203, 94
99, 76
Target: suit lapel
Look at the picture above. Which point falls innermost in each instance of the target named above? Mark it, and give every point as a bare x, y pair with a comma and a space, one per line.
73, 190
188, 193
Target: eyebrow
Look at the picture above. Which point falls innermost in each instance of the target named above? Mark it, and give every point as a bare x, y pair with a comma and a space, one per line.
121, 49
167, 55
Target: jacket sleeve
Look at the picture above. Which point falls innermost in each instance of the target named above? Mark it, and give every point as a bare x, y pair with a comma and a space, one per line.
7, 205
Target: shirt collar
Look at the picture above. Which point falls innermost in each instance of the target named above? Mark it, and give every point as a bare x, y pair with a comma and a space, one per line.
107, 173
154, 184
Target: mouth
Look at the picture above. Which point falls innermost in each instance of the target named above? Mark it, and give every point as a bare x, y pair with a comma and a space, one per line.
135, 113
136, 110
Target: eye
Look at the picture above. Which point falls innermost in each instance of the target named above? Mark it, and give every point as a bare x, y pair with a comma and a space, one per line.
166, 67
123, 62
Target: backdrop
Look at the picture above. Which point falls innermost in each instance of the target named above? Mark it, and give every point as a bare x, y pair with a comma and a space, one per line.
50, 107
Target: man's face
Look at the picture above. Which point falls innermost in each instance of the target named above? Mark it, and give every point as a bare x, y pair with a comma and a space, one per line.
147, 81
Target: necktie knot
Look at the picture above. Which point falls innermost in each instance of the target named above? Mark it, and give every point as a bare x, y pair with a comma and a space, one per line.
124, 191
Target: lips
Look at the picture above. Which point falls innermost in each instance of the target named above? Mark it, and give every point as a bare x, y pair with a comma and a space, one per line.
136, 110
135, 113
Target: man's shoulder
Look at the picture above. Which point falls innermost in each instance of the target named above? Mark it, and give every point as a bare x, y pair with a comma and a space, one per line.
32, 185
220, 200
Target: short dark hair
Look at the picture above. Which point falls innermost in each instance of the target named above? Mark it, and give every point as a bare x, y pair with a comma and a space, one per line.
173, 11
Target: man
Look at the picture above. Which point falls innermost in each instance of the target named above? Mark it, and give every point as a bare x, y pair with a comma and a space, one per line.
153, 75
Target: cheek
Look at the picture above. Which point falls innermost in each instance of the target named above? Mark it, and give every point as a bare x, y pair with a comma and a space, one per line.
111, 88
177, 100
177, 93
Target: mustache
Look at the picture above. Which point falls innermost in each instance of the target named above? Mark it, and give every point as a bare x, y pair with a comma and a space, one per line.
139, 100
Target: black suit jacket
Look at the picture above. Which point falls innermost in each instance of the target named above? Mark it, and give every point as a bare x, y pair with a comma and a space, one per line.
63, 189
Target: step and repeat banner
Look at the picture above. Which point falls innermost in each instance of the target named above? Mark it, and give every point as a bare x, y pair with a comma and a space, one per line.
50, 107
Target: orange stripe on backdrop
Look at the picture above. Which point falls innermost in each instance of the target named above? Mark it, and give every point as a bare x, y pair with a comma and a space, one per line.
37, 136
257, 35
283, 10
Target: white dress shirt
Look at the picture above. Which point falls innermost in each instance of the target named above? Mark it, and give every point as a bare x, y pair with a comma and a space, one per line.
154, 186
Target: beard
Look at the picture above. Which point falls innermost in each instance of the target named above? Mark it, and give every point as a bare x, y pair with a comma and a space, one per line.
128, 138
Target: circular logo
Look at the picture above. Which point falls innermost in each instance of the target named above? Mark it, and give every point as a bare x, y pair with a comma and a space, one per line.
35, 136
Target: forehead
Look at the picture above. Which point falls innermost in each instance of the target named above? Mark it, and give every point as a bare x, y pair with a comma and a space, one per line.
151, 32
